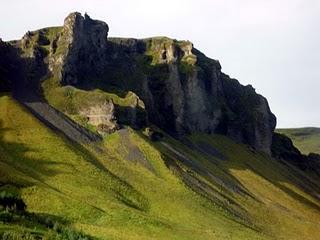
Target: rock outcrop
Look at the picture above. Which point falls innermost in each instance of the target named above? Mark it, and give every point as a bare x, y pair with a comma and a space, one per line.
185, 92
102, 116
84, 44
182, 90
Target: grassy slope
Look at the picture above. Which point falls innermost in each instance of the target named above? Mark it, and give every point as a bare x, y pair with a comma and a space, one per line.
107, 196
305, 139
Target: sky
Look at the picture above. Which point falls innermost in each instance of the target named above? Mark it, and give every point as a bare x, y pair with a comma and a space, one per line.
273, 45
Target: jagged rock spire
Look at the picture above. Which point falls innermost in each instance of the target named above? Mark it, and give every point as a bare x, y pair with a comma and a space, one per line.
86, 41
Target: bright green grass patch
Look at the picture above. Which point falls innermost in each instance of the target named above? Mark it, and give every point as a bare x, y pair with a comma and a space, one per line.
72, 101
278, 187
52, 33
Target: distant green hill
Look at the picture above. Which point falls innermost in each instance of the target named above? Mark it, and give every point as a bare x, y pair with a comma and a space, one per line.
128, 187
305, 139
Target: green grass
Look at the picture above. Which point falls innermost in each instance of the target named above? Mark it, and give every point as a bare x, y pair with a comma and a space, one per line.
52, 32
72, 101
155, 45
41, 38
136, 189
307, 140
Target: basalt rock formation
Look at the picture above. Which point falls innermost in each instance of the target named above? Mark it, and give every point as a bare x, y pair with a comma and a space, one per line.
85, 43
177, 87
9, 66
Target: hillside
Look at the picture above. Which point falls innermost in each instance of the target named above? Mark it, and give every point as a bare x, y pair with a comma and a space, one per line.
137, 189
121, 138
307, 140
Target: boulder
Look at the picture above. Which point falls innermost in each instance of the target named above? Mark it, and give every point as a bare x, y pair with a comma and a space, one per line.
101, 116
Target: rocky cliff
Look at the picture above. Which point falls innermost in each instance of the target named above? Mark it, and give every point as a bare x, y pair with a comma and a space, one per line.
174, 86
9, 66
85, 43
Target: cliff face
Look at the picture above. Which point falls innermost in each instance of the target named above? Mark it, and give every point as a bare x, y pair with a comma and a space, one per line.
85, 47
182, 90
9, 66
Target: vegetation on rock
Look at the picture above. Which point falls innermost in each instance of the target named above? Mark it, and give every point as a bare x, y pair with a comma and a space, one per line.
172, 160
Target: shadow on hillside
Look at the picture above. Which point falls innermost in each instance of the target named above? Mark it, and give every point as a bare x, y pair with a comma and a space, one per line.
18, 219
196, 173
122, 187
286, 173
26, 88
296, 178
15, 155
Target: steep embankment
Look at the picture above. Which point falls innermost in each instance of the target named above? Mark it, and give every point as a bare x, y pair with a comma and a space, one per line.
307, 140
205, 187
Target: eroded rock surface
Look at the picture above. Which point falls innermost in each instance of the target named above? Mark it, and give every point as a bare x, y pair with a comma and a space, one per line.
80, 49
101, 116
182, 90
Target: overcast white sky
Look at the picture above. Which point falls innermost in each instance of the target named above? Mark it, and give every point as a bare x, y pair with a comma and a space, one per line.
272, 44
